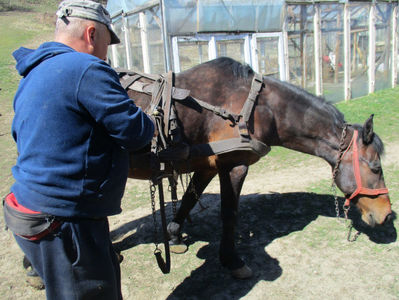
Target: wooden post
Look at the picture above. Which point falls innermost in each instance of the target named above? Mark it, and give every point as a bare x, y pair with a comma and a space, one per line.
144, 43
285, 50
317, 50
114, 50
302, 45
175, 52
337, 48
165, 36
212, 50
347, 53
371, 57
394, 44
125, 29
254, 53
247, 50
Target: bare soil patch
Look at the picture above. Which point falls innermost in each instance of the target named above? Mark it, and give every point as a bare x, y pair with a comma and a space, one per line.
289, 237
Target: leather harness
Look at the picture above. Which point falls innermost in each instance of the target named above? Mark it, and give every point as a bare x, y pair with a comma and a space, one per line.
164, 95
168, 147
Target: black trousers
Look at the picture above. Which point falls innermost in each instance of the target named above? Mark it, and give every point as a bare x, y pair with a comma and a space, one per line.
77, 261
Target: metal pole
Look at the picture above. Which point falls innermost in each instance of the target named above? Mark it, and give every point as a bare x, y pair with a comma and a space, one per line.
168, 66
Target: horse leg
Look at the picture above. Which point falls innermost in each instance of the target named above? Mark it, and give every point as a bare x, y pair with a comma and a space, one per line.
231, 181
198, 183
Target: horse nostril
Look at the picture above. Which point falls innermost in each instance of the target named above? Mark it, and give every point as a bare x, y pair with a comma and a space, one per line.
388, 218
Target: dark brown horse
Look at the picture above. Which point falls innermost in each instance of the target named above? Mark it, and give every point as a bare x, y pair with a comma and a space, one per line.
283, 115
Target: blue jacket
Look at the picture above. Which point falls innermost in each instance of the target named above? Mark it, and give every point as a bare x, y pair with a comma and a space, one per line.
74, 125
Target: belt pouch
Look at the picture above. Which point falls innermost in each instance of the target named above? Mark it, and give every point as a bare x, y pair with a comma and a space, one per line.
27, 225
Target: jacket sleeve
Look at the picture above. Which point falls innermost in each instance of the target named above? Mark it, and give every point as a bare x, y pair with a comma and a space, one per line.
103, 97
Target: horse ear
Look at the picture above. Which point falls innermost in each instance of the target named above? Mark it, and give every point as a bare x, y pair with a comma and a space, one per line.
368, 132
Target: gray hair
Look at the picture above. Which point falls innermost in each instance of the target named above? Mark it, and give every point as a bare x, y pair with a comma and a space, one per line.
74, 27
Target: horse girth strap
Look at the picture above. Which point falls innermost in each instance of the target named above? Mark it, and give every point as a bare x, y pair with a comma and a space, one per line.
229, 145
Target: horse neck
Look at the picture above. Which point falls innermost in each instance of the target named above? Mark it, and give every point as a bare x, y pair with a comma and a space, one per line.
312, 130
324, 143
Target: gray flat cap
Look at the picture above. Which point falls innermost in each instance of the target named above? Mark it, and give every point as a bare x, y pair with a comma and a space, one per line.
87, 10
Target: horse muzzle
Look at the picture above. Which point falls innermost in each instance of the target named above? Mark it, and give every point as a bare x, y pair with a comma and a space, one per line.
375, 210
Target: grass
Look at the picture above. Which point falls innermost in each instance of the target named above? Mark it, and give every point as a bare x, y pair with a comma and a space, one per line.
41, 6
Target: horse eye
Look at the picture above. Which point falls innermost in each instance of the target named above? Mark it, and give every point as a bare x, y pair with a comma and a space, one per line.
375, 168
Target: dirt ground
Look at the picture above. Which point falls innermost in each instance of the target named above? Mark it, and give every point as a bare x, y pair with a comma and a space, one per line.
289, 237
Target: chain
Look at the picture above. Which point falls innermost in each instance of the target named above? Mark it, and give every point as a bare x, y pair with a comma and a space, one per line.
152, 193
354, 238
334, 188
336, 170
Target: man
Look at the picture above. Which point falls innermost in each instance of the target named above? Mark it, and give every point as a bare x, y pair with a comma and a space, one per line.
74, 125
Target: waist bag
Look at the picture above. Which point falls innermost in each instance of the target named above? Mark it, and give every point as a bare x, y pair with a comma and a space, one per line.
29, 226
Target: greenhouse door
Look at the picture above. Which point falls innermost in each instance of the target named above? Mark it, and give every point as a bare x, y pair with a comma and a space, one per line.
267, 54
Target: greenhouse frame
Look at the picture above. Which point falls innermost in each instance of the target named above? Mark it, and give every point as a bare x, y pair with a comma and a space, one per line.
339, 49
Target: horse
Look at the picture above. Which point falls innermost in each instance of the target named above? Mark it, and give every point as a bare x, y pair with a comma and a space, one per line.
282, 115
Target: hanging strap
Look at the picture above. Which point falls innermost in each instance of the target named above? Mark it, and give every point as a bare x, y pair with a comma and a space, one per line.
247, 109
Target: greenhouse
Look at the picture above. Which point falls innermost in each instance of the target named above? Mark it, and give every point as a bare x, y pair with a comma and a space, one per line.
340, 49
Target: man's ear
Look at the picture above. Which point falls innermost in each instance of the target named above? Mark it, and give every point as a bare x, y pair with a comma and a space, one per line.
89, 39
90, 34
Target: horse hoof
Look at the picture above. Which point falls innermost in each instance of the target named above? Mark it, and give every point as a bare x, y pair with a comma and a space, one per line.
178, 248
242, 273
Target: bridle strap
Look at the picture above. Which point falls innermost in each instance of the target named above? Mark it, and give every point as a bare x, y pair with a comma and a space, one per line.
360, 190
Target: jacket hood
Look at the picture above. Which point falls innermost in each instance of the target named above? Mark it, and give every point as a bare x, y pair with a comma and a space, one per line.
27, 59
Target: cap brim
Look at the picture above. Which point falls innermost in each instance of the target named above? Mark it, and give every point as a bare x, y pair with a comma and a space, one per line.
114, 37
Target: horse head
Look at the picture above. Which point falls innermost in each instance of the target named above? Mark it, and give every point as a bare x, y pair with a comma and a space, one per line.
360, 177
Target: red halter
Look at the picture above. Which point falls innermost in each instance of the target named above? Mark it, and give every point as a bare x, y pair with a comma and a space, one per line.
356, 169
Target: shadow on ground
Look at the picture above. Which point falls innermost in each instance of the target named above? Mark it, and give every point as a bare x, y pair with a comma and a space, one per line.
263, 218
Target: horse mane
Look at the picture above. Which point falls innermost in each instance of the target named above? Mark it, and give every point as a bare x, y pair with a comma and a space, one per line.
309, 100
238, 69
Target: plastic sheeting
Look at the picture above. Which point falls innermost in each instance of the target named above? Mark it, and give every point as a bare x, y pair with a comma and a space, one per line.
185, 17
198, 16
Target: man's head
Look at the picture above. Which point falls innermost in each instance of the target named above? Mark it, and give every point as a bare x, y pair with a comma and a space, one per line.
85, 26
